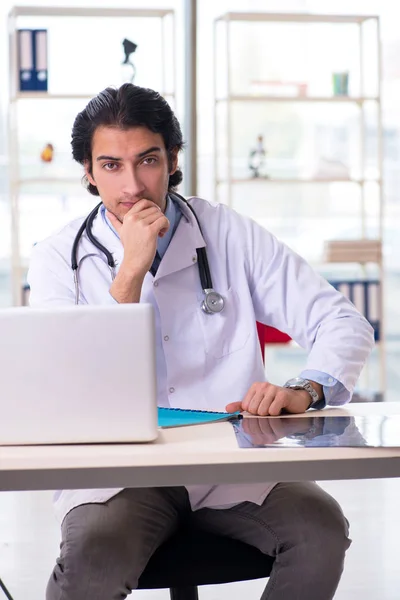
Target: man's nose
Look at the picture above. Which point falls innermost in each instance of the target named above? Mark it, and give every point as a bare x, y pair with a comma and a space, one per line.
132, 184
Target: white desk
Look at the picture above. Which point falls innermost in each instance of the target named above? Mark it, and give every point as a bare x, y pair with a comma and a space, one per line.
193, 455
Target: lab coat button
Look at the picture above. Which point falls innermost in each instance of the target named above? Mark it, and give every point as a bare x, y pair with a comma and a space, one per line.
155, 283
166, 338
171, 390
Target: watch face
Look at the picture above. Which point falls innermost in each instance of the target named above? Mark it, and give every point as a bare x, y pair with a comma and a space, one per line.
296, 381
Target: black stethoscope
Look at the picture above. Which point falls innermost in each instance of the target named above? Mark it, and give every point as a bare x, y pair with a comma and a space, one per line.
213, 301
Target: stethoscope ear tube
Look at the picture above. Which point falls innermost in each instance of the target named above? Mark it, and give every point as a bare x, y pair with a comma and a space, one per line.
94, 241
204, 271
213, 301
87, 225
204, 268
74, 251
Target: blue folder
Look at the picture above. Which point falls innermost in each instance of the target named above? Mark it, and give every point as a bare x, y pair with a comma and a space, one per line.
26, 60
177, 417
32, 60
40, 59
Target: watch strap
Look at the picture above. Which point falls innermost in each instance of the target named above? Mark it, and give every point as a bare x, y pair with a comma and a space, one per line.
304, 384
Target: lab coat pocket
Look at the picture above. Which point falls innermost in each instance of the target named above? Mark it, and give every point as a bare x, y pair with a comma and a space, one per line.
225, 332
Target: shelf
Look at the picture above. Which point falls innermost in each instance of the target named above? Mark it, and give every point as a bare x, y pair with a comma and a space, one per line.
50, 96
296, 181
333, 99
295, 17
66, 11
49, 180
47, 96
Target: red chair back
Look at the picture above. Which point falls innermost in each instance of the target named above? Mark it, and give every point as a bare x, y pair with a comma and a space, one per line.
270, 335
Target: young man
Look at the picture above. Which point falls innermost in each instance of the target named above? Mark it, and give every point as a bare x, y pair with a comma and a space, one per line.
128, 142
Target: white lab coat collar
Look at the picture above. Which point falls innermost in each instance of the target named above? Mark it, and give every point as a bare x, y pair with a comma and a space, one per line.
197, 236
181, 252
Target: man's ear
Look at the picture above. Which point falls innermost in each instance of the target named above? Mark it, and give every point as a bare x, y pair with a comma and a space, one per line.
87, 167
174, 161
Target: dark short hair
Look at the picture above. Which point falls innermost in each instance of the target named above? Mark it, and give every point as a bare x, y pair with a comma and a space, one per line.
126, 107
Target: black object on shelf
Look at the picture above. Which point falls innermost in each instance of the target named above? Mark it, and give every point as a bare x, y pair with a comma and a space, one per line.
129, 48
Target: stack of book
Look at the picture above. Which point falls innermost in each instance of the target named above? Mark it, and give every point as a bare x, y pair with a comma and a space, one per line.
357, 251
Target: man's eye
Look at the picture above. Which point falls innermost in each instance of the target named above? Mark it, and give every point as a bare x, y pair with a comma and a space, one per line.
150, 160
110, 166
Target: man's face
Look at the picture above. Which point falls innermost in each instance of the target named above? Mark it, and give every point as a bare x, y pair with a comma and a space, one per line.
128, 166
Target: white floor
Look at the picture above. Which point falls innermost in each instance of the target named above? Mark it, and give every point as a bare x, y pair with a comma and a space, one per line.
29, 542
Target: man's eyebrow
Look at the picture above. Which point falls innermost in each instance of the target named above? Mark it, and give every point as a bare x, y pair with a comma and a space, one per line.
111, 158
152, 149
140, 155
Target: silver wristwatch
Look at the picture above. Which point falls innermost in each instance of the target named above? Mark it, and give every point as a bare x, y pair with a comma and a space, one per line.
298, 383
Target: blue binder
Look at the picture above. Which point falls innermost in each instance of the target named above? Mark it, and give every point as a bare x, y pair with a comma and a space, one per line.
32, 60
40, 59
27, 80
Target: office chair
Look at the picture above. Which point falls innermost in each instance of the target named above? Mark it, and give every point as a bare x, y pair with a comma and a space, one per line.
192, 558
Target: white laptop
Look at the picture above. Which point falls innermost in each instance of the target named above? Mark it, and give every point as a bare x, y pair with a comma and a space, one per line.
78, 374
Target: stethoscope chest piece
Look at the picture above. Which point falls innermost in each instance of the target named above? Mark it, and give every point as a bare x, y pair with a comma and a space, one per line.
213, 302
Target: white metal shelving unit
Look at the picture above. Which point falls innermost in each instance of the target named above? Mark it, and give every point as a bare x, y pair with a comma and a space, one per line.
225, 95
231, 98
166, 18
263, 98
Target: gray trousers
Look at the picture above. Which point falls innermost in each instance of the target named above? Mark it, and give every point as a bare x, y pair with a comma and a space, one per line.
105, 547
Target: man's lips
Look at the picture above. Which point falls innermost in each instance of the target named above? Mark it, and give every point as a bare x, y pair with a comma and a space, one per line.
130, 203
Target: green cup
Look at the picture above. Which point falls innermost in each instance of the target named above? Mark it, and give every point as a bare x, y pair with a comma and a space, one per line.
340, 83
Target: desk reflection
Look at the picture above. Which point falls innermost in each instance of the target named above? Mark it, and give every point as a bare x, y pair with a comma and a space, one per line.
318, 432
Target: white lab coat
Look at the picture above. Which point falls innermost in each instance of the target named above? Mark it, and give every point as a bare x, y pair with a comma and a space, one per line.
207, 361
